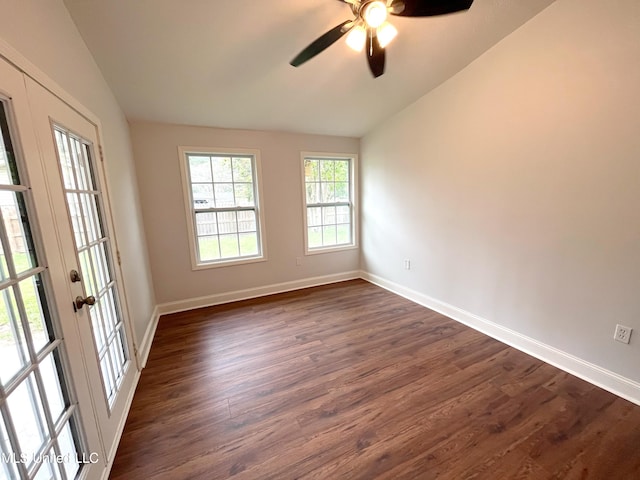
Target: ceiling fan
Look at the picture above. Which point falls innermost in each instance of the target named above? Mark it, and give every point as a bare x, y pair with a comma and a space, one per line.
370, 27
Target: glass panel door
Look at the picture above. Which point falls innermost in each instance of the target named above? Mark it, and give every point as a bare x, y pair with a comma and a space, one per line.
84, 205
75, 180
40, 434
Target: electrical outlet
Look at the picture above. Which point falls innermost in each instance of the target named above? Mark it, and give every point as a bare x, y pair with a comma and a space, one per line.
622, 334
298, 261
407, 264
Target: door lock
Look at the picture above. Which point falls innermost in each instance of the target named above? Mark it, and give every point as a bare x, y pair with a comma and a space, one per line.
75, 276
80, 302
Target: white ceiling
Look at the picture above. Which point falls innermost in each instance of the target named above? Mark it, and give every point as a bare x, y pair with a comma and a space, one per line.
226, 63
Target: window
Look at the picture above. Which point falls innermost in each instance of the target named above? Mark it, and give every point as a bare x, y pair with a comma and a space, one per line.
329, 193
223, 203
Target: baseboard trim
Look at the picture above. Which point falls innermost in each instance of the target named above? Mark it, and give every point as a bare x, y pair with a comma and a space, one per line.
237, 295
145, 346
601, 377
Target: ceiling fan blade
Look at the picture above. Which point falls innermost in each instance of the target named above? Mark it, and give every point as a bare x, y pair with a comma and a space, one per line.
428, 8
322, 42
375, 55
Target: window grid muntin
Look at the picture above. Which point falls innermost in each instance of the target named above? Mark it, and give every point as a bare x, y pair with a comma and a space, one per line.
77, 153
29, 375
321, 185
216, 210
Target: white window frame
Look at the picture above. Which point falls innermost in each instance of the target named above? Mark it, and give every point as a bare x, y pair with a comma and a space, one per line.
353, 192
196, 264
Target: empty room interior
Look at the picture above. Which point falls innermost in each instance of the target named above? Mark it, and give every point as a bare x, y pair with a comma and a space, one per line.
326, 239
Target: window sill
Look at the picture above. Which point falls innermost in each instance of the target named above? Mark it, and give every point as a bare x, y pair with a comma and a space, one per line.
228, 263
337, 248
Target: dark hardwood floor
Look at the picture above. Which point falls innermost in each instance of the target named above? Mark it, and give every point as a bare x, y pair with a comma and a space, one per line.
348, 381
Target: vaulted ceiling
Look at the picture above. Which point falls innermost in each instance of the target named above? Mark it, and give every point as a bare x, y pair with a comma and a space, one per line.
226, 63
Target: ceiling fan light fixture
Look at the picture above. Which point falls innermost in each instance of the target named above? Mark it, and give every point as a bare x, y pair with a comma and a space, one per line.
375, 13
386, 33
357, 38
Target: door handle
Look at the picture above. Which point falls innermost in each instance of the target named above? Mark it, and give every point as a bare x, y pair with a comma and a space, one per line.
80, 302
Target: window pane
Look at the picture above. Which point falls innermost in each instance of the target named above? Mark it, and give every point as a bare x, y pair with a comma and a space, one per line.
229, 246
327, 170
12, 341
222, 169
50, 370
247, 221
88, 277
7, 469
18, 231
77, 161
107, 375
25, 405
344, 234
99, 317
4, 269
32, 294
329, 235
342, 170
242, 170
313, 192
73, 201
66, 164
311, 171
328, 193
99, 255
88, 215
244, 194
206, 224
248, 243
328, 215
342, 192
8, 170
314, 216
209, 248
200, 169
69, 449
202, 195
223, 193
48, 469
343, 214
314, 237
227, 222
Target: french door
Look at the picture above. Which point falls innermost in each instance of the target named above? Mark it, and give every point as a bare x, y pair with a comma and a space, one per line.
66, 369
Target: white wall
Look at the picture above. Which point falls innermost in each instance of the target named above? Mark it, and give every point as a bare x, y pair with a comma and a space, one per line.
157, 162
514, 187
42, 31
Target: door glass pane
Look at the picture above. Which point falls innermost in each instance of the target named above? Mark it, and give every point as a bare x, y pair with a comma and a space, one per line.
84, 204
27, 412
12, 340
32, 293
51, 371
34, 393
22, 251
69, 449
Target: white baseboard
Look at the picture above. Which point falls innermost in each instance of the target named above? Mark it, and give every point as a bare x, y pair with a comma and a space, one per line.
601, 377
145, 346
227, 297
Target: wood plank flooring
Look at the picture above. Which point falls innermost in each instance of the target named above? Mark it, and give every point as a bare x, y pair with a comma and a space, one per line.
349, 381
